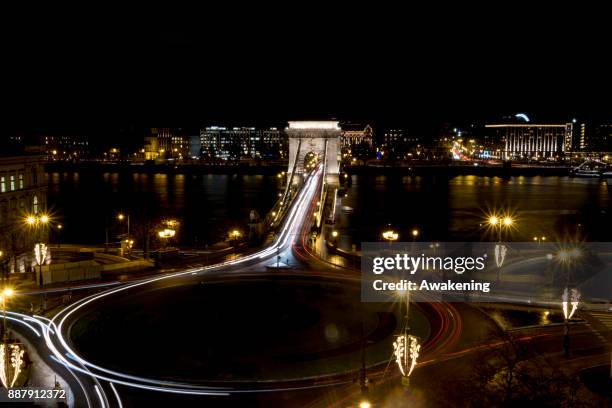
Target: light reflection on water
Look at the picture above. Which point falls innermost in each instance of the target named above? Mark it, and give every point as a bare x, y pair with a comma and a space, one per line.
454, 209
205, 205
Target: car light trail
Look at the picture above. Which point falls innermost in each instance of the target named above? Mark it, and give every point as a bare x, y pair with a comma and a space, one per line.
61, 350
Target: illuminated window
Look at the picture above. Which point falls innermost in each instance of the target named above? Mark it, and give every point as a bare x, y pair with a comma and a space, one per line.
35, 205
12, 178
2, 184
20, 181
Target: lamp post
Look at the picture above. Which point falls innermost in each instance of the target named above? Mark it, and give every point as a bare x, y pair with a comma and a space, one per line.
235, 235
500, 223
122, 217
539, 240
11, 355
3, 266
59, 235
6, 294
38, 222
406, 347
166, 234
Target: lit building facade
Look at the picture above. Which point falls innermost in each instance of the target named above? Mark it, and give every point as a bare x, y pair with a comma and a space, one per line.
66, 147
356, 134
166, 143
22, 192
595, 138
242, 142
531, 140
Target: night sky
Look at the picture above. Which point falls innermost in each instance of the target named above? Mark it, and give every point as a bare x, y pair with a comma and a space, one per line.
112, 80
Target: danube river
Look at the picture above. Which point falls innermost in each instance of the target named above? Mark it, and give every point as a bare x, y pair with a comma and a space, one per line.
206, 206
456, 208
440, 208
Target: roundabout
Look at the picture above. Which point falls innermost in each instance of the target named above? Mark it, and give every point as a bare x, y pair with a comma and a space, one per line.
256, 328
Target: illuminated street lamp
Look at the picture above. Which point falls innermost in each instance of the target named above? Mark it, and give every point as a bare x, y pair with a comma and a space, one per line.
166, 233
34, 220
7, 293
365, 404
11, 354
539, 240
59, 231
415, 233
122, 217
499, 223
234, 235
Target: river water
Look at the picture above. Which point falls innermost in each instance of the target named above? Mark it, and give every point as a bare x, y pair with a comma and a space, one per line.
208, 206
456, 209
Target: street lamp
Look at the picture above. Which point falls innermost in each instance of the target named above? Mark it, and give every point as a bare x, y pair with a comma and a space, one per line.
59, 235
499, 223
365, 404
235, 234
11, 355
122, 217
6, 294
539, 240
415, 233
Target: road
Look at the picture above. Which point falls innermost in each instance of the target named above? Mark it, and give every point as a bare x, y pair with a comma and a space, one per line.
456, 332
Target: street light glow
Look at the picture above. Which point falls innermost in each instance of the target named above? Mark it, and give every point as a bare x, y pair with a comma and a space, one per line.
8, 292
334, 234
508, 221
493, 220
166, 233
390, 235
364, 404
415, 232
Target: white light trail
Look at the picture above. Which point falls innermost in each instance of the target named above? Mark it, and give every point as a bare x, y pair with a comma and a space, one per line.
100, 396
116, 395
289, 230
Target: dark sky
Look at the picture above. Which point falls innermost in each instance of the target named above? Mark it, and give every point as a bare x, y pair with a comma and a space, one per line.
406, 70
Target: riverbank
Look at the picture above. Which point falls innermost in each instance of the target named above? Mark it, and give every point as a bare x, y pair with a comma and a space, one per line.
167, 168
457, 169
267, 168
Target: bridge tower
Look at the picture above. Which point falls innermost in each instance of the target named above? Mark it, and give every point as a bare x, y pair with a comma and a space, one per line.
321, 138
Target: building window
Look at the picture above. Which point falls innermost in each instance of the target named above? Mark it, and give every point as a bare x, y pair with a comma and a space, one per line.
21, 181
12, 178
35, 205
3, 184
